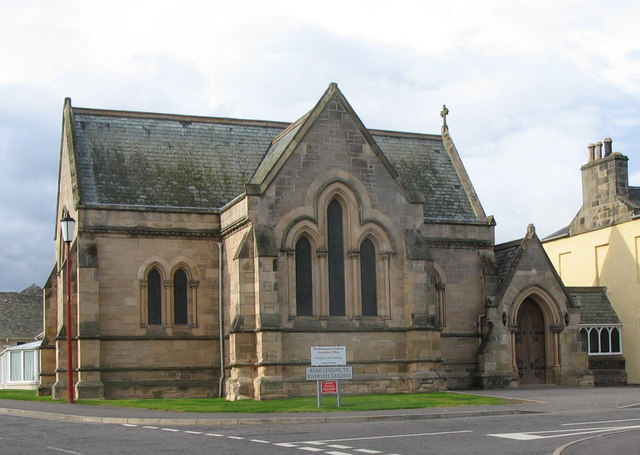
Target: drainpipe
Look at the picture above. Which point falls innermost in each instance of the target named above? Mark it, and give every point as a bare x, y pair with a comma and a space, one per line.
220, 322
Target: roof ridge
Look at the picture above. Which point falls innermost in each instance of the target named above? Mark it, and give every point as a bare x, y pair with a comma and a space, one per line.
177, 117
405, 134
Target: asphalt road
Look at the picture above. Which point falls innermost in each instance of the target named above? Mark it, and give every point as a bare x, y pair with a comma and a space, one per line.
584, 421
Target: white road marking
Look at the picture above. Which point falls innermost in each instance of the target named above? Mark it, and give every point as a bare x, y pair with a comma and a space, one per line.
517, 436
599, 422
560, 433
320, 446
65, 451
634, 405
129, 425
413, 435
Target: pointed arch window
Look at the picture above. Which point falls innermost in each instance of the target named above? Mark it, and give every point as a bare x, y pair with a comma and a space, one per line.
338, 258
335, 254
615, 340
368, 279
154, 297
304, 276
168, 302
180, 298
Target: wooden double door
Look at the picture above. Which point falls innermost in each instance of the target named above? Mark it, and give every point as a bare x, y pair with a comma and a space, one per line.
530, 344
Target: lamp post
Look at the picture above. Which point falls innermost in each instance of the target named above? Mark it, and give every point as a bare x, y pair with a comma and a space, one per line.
67, 224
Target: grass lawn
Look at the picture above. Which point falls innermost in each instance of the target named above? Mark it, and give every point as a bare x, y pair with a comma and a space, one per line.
27, 395
308, 404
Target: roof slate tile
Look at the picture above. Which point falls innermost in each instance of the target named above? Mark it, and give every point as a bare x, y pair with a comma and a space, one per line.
596, 308
21, 313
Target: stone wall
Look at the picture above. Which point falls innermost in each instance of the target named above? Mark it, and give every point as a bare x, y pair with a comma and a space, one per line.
118, 353
382, 362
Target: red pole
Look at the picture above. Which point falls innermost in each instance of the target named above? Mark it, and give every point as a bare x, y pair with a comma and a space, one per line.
69, 342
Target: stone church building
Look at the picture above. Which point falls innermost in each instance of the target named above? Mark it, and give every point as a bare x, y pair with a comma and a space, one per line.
211, 254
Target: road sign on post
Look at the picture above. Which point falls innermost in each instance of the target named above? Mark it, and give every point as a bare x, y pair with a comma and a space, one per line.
328, 355
326, 373
329, 387
328, 367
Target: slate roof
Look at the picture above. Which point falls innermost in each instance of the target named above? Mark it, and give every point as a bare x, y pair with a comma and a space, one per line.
166, 161
505, 255
596, 308
21, 313
275, 150
564, 232
634, 194
424, 168
158, 160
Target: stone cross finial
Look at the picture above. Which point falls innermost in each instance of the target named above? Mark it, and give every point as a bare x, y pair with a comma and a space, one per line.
443, 114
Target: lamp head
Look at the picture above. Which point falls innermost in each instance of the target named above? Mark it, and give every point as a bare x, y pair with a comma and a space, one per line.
67, 224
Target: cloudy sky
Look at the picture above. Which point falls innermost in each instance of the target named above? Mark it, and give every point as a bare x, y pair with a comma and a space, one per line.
528, 84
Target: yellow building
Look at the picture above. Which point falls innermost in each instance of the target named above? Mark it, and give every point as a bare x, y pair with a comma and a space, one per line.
601, 247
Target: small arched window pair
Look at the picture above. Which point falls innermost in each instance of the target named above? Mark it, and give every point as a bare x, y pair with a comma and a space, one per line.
180, 301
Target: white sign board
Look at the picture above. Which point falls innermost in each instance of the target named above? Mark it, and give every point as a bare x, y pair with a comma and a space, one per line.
328, 355
331, 372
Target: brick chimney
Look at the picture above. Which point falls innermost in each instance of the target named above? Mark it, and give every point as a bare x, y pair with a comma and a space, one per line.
604, 180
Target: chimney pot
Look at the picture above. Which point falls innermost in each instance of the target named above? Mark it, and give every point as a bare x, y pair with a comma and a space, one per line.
592, 152
607, 146
599, 150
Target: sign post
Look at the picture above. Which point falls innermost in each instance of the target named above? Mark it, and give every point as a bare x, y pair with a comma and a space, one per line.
328, 368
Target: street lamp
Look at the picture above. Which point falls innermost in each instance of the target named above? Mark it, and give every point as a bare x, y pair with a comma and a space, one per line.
67, 224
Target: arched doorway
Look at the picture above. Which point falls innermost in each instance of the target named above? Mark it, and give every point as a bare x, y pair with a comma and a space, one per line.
530, 344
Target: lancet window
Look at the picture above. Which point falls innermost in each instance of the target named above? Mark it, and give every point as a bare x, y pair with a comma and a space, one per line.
168, 302
338, 264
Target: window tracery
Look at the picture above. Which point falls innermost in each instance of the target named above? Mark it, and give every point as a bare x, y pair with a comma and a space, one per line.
168, 302
602, 339
338, 263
